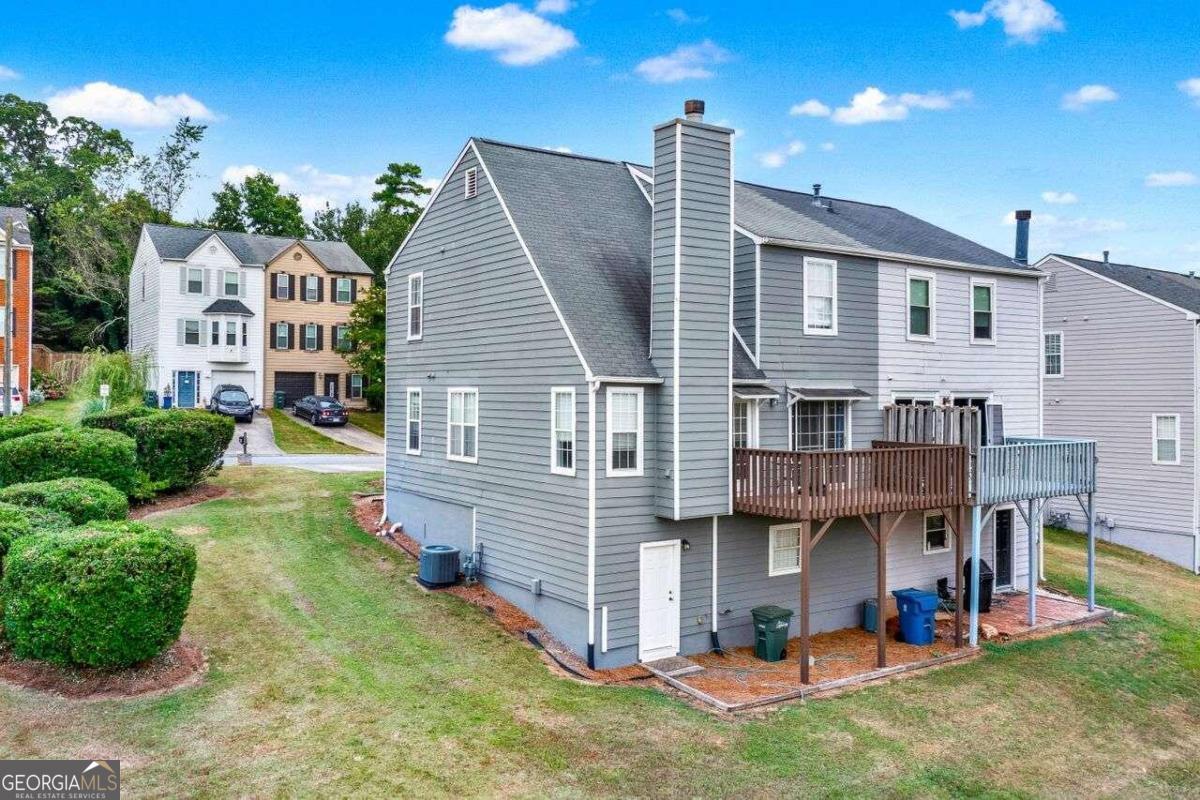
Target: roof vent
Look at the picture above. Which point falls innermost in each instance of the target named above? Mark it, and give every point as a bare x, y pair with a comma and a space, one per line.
819, 201
1105, 256
1021, 250
693, 110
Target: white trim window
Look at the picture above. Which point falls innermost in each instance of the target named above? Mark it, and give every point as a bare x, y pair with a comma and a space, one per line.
922, 306
356, 386
470, 183
983, 311
310, 336
462, 425
310, 289
820, 425
820, 297
937, 533
281, 336
1166, 438
412, 423
191, 331
624, 426
562, 431
232, 284
1053, 354
282, 286
784, 552
343, 292
195, 280
416, 306
745, 423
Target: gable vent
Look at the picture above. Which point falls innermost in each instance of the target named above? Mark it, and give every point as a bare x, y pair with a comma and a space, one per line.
471, 183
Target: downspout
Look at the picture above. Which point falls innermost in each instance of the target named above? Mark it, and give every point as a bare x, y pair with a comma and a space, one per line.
1195, 447
716, 641
593, 387
1041, 370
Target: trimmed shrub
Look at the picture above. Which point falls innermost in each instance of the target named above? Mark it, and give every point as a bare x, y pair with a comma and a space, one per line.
70, 453
17, 521
81, 499
105, 595
23, 425
115, 419
179, 448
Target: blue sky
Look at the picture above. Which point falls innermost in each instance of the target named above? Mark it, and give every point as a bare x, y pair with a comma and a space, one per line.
1086, 111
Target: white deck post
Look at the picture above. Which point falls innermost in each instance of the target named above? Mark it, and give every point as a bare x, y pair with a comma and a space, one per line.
976, 525
1032, 524
1091, 551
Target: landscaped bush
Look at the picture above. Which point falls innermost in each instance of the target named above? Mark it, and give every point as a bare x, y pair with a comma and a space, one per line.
110, 594
116, 419
81, 499
13, 427
17, 521
124, 374
71, 453
176, 448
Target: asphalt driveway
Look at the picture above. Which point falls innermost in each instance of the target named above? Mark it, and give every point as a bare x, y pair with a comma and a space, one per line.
260, 438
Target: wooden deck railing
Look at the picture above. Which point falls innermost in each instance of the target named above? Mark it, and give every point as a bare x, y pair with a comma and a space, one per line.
1024, 468
842, 483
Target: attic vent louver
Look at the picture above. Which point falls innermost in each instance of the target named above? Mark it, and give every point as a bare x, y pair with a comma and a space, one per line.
471, 183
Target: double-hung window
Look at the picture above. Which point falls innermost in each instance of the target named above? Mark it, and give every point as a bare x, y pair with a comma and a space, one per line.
281, 336
195, 280
624, 425
310, 336
282, 286
191, 331
1166, 438
983, 312
310, 288
937, 535
233, 283
745, 423
344, 292
1054, 354
820, 425
341, 337
216, 333
784, 550
356, 385
562, 431
922, 323
412, 433
416, 305
820, 296
462, 425
231, 333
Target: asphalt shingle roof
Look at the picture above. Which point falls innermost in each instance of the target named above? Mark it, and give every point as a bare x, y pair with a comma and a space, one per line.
228, 306
20, 220
254, 249
1173, 287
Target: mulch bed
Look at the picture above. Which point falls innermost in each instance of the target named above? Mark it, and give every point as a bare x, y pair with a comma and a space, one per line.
183, 664
367, 512
170, 502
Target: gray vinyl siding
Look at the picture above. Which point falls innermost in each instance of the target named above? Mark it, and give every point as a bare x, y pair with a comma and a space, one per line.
701, 208
745, 299
488, 324
1126, 358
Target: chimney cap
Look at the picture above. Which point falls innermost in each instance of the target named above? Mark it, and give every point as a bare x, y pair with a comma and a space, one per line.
1105, 256
693, 109
1024, 213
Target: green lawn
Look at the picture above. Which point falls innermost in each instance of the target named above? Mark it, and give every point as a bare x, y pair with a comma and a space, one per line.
332, 675
371, 421
65, 410
296, 436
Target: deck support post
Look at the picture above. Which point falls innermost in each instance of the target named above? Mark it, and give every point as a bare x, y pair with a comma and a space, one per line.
1091, 551
959, 538
805, 572
1032, 522
976, 525
881, 587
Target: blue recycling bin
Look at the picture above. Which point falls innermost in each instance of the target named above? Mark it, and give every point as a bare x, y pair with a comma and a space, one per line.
917, 609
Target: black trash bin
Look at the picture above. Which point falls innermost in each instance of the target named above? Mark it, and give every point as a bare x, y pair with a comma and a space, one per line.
986, 579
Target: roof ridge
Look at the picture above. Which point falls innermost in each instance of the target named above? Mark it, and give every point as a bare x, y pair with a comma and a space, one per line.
1120, 264
219, 231
754, 185
548, 151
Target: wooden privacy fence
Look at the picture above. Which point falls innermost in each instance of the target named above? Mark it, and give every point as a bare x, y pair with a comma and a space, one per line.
841, 483
65, 367
932, 425
1027, 467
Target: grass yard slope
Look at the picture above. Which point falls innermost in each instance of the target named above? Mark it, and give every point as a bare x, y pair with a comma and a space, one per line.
332, 675
296, 436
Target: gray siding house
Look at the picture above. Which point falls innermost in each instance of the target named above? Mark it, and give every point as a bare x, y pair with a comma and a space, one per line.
592, 362
1121, 366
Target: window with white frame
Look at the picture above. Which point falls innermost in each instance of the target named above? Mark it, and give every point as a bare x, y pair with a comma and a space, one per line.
820, 424
462, 425
1054, 354
820, 296
191, 331
416, 301
195, 281
282, 286
344, 293
341, 337
745, 423
231, 333
1166, 438
624, 425
310, 288
356, 385
937, 534
913, 400
784, 551
281, 336
233, 283
310, 336
412, 444
471, 183
983, 311
562, 431
922, 323
216, 333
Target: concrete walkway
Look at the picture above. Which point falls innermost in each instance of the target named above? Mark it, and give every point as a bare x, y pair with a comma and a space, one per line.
316, 463
260, 437
351, 435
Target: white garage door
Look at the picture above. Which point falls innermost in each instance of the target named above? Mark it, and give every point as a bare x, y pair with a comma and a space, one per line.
242, 378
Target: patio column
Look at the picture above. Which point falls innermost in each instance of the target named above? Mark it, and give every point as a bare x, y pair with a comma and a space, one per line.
1032, 523
805, 568
1091, 551
959, 538
976, 524
881, 602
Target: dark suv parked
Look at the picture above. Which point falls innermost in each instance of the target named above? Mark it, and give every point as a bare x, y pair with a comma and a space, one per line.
232, 401
321, 410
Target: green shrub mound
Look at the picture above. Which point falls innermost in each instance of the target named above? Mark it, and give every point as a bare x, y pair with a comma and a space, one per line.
115, 419
71, 453
109, 594
17, 521
81, 499
176, 448
15, 427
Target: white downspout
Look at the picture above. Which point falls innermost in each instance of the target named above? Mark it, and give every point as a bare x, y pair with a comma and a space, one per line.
1196, 448
593, 387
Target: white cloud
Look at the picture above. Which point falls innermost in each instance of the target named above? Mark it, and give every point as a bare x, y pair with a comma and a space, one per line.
8, 73
1085, 96
518, 37
314, 186
552, 6
1058, 228
562, 148
689, 61
1024, 20
1175, 178
1191, 87
1059, 198
103, 102
773, 159
874, 105
681, 17
810, 108
828, 147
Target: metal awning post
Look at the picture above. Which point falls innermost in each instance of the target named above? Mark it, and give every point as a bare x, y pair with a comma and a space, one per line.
1091, 551
1031, 523
805, 572
976, 526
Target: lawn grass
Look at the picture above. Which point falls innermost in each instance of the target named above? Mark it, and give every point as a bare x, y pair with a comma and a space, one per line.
296, 436
332, 674
65, 411
370, 421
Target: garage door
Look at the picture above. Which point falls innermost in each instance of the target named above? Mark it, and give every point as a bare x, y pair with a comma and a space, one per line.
242, 378
295, 385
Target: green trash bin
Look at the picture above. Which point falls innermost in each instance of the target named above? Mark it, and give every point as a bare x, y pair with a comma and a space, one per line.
771, 625
150, 398
280, 398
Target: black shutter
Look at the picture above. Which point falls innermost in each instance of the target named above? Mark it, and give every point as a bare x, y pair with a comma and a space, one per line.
320, 337
353, 290
291, 287
320, 289
274, 330
291, 336
348, 393
271, 280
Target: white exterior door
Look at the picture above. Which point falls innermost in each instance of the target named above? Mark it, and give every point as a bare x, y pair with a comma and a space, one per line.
658, 609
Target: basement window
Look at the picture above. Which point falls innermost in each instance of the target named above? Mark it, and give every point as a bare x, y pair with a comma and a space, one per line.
784, 550
937, 535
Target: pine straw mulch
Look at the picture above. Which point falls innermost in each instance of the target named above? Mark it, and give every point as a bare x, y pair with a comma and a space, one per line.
181, 665
169, 502
367, 512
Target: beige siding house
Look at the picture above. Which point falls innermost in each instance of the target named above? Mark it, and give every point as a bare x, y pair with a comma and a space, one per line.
311, 288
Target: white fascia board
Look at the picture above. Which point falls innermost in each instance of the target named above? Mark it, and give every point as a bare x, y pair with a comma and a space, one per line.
1191, 315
